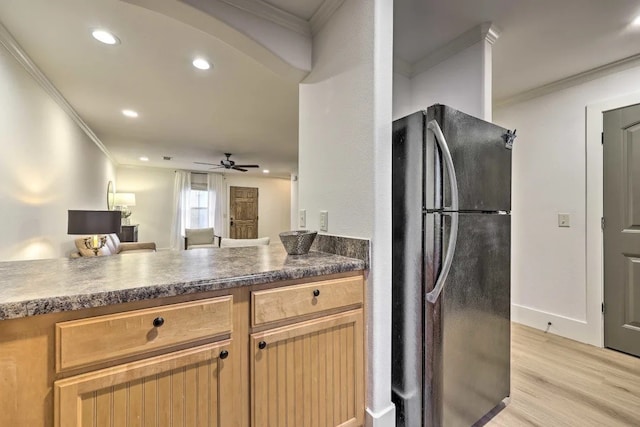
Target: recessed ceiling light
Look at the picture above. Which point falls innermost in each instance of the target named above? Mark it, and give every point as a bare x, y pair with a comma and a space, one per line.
130, 113
265, 171
105, 37
144, 159
201, 64
636, 22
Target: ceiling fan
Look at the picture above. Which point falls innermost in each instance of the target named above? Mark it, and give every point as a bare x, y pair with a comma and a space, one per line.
228, 164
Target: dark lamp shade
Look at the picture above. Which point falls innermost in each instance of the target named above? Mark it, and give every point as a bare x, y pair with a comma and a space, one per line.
93, 222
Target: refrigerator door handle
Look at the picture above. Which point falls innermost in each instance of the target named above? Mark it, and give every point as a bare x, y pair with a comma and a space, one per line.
433, 296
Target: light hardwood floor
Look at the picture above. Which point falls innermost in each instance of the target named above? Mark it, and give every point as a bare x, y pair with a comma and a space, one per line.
558, 382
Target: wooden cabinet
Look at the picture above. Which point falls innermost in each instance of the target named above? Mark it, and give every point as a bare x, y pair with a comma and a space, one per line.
128, 233
102, 338
203, 365
290, 302
308, 368
309, 373
177, 389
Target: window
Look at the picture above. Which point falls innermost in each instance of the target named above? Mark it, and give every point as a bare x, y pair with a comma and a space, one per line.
199, 201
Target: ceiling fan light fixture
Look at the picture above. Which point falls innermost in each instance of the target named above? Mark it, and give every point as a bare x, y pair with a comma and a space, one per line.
201, 64
265, 171
105, 37
228, 164
144, 159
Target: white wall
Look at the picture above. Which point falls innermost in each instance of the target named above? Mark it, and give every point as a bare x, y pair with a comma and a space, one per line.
344, 167
154, 197
335, 151
549, 268
47, 166
274, 202
153, 188
457, 82
461, 81
402, 97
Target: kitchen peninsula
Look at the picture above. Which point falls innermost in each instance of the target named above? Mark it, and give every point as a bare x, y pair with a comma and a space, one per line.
229, 337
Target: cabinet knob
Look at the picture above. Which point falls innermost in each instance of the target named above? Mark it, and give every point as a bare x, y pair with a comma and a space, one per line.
316, 292
157, 322
262, 345
224, 354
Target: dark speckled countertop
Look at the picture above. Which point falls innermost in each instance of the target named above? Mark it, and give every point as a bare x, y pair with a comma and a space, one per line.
29, 288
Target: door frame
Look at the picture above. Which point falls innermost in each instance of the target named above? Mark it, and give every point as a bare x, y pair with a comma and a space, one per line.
594, 251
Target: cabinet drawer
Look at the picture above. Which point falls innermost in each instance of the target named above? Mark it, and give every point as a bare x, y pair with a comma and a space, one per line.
293, 301
103, 338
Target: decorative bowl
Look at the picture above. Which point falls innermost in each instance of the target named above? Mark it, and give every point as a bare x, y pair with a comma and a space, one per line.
297, 242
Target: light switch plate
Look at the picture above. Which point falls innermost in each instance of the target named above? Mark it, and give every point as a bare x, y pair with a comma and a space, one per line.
564, 220
302, 220
324, 221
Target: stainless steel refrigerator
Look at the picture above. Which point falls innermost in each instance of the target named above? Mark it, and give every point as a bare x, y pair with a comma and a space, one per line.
450, 267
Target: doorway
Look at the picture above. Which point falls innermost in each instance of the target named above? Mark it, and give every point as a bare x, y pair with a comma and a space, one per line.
243, 208
621, 232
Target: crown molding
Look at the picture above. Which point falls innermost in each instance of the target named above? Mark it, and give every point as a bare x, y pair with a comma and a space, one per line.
486, 31
287, 20
491, 32
323, 14
576, 79
271, 13
12, 46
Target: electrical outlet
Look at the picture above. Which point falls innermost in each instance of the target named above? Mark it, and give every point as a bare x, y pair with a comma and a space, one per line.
324, 221
302, 220
564, 220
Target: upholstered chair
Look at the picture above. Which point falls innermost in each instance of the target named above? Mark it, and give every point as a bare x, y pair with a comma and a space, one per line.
200, 238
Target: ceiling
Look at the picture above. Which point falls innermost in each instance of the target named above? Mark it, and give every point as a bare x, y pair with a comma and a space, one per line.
238, 106
302, 9
542, 41
243, 107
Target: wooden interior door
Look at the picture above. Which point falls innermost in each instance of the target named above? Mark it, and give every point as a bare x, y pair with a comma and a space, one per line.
310, 373
622, 229
243, 205
185, 388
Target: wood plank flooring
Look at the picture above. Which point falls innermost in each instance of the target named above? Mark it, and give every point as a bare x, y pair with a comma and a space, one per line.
558, 382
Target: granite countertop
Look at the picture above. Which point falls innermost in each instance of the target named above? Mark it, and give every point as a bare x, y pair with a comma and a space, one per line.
29, 288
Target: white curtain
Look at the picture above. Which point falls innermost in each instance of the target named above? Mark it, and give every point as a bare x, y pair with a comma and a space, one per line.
217, 203
180, 221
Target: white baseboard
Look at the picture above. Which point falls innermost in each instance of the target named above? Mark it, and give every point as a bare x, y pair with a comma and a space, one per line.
575, 329
384, 418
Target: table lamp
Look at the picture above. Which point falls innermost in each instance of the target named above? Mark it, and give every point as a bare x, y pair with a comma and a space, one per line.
123, 201
93, 223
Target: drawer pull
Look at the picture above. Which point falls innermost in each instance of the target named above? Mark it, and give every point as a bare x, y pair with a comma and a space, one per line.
157, 322
316, 292
224, 354
262, 345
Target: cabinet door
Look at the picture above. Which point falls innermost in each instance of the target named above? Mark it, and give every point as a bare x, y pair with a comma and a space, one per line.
309, 374
176, 389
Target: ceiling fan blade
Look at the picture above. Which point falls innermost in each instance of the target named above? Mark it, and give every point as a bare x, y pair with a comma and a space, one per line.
239, 169
203, 163
248, 166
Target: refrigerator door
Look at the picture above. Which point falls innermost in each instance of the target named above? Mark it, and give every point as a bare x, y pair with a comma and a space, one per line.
407, 269
481, 158
467, 371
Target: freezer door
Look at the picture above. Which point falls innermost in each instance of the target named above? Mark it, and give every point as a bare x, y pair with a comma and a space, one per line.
481, 159
468, 363
407, 269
